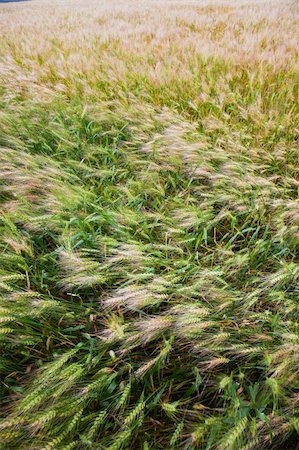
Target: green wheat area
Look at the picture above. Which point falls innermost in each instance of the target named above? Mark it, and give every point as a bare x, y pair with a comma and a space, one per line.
149, 225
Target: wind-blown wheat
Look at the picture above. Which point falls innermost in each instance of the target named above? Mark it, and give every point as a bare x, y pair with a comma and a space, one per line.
149, 225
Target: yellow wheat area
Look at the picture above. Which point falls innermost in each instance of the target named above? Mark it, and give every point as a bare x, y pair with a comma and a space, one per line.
57, 43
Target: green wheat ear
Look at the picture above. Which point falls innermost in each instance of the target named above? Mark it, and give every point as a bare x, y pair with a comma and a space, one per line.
176, 434
231, 437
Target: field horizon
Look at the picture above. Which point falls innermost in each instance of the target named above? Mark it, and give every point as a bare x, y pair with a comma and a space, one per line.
149, 225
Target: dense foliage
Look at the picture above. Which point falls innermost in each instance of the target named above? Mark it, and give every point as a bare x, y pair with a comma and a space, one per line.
149, 276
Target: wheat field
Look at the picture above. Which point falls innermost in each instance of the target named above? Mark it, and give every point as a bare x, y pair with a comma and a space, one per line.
149, 225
